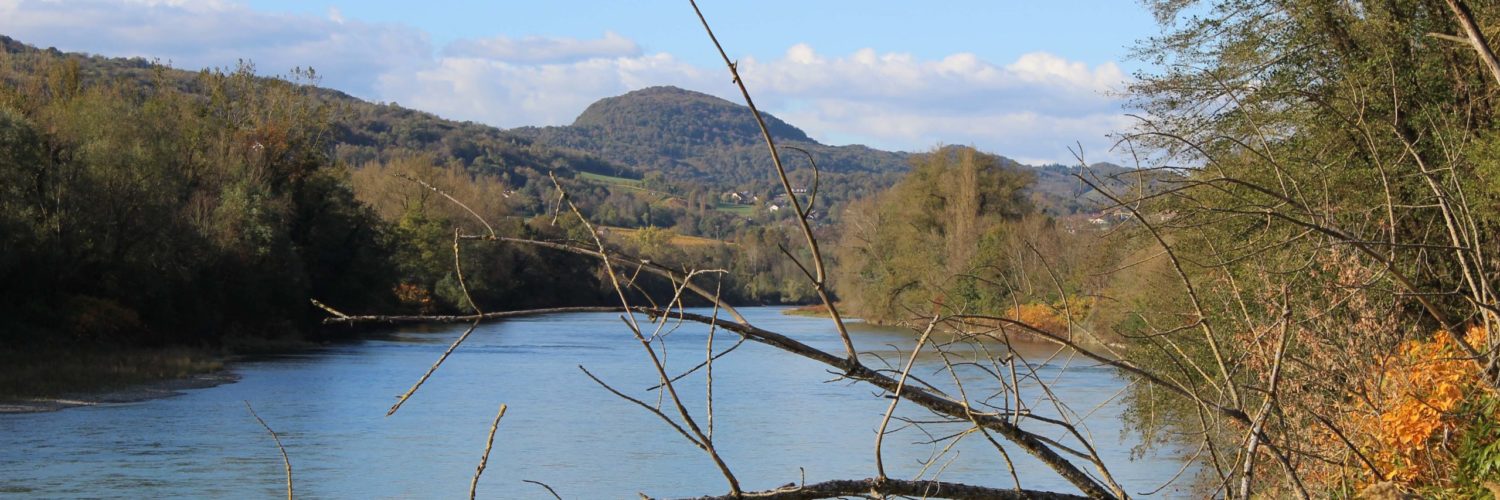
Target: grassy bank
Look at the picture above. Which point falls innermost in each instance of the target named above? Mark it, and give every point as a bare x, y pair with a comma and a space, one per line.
55, 373
810, 310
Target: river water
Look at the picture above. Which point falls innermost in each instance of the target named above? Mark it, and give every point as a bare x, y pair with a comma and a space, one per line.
777, 417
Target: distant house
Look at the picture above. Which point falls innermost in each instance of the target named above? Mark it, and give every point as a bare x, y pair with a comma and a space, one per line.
740, 197
773, 207
1098, 221
799, 190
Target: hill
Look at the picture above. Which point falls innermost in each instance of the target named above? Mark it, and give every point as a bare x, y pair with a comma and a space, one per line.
694, 141
691, 135
1058, 191
361, 131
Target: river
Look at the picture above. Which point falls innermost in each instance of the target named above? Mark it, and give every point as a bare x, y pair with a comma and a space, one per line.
777, 417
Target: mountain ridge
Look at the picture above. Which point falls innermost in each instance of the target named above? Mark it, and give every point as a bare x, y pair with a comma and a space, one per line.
689, 134
685, 135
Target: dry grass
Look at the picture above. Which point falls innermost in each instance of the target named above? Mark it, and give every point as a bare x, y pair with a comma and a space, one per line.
59, 372
811, 310
678, 240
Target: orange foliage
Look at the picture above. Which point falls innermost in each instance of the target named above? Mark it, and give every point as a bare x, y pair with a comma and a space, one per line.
1418, 393
414, 296
1051, 317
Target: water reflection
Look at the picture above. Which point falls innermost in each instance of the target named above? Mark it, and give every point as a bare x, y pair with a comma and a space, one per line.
775, 418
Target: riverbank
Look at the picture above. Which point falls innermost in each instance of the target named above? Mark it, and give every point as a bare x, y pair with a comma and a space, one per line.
329, 405
143, 391
54, 379
810, 310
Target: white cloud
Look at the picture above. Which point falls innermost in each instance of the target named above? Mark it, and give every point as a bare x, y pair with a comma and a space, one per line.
1038, 81
510, 95
536, 49
212, 33
1031, 108
1024, 135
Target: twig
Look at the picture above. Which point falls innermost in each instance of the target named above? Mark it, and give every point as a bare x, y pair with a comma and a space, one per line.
702, 439
285, 461
643, 404
821, 280
708, 362
893, 487
400, 400
544, 485
485, 459
900, 384
478, 314
330, 310
450, 198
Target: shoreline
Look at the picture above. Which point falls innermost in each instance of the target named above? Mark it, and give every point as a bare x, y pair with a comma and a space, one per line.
136, 393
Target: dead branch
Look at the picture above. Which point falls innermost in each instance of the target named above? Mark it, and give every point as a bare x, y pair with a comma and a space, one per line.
820, 281
478, 314
901, 383
1034, 445
894, 487
1465, 19
285, 461
450, 197
702, 439
544, 485
643, 404
485, 458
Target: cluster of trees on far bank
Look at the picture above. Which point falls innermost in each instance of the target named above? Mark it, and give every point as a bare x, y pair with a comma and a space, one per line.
1301, 284
146, 206
1308, 298
185, 212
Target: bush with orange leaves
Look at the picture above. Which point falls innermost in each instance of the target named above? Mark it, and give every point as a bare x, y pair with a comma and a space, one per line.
414, 296
1051, 317
1416, 421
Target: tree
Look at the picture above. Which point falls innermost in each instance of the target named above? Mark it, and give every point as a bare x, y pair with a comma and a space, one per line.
1331, 210
901, 250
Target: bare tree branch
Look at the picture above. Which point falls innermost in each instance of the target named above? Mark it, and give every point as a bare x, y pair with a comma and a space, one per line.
285, 460
485, 458
894, 487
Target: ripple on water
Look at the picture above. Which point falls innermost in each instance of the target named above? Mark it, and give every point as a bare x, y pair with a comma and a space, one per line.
773, 414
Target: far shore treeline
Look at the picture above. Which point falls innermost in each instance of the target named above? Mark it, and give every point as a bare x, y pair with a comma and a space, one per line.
146, 206
1298, 276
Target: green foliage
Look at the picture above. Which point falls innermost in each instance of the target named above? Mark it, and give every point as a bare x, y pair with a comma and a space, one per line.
1478, 450
693, 140
919, 243
1347, 155
144, 215
653, 240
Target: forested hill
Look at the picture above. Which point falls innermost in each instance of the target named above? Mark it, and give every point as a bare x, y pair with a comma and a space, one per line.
688, 134
692, 136
362, 131
688, 137
1062, 190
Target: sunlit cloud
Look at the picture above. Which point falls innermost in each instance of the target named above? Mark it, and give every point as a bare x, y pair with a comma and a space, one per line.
507, 94
198, 34
538, 49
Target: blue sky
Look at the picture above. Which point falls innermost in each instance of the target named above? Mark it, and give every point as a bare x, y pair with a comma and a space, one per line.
1021, 78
